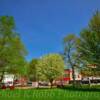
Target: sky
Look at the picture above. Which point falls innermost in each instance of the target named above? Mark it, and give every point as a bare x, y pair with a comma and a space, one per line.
43, 24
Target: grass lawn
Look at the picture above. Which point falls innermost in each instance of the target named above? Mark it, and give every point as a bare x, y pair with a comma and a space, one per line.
48, 94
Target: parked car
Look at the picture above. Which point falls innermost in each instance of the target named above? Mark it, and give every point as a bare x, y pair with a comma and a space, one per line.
43, 83
29, 83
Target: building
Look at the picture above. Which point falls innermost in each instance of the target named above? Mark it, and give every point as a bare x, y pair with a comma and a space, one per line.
68, 75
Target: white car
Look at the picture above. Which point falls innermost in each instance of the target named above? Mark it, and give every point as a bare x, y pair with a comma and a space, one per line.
8, 80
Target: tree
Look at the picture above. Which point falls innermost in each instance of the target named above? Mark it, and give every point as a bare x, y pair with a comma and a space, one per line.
90, 41
51, 66
12, 50
32, 70
70, 54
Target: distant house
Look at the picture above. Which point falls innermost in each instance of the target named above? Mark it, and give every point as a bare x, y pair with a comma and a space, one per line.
68, 75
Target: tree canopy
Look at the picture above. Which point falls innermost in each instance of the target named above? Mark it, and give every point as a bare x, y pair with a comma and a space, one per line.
32, 70
12, 50
90, 41
51, 66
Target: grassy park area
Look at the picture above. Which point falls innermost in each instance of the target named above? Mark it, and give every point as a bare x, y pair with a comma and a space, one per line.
50, 94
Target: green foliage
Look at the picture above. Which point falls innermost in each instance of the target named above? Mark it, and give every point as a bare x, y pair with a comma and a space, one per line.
90, 41
70, 49
32, 70
94, 24
51, 66
12, 50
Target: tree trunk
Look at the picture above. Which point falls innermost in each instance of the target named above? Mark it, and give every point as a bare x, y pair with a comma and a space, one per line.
2, 76
38, 85
37, 80
89, 82
73, 76
51, 80
73, 70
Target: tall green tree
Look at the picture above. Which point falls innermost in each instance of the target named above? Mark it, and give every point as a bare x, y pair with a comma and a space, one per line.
90, 41
51, 66
12, 50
